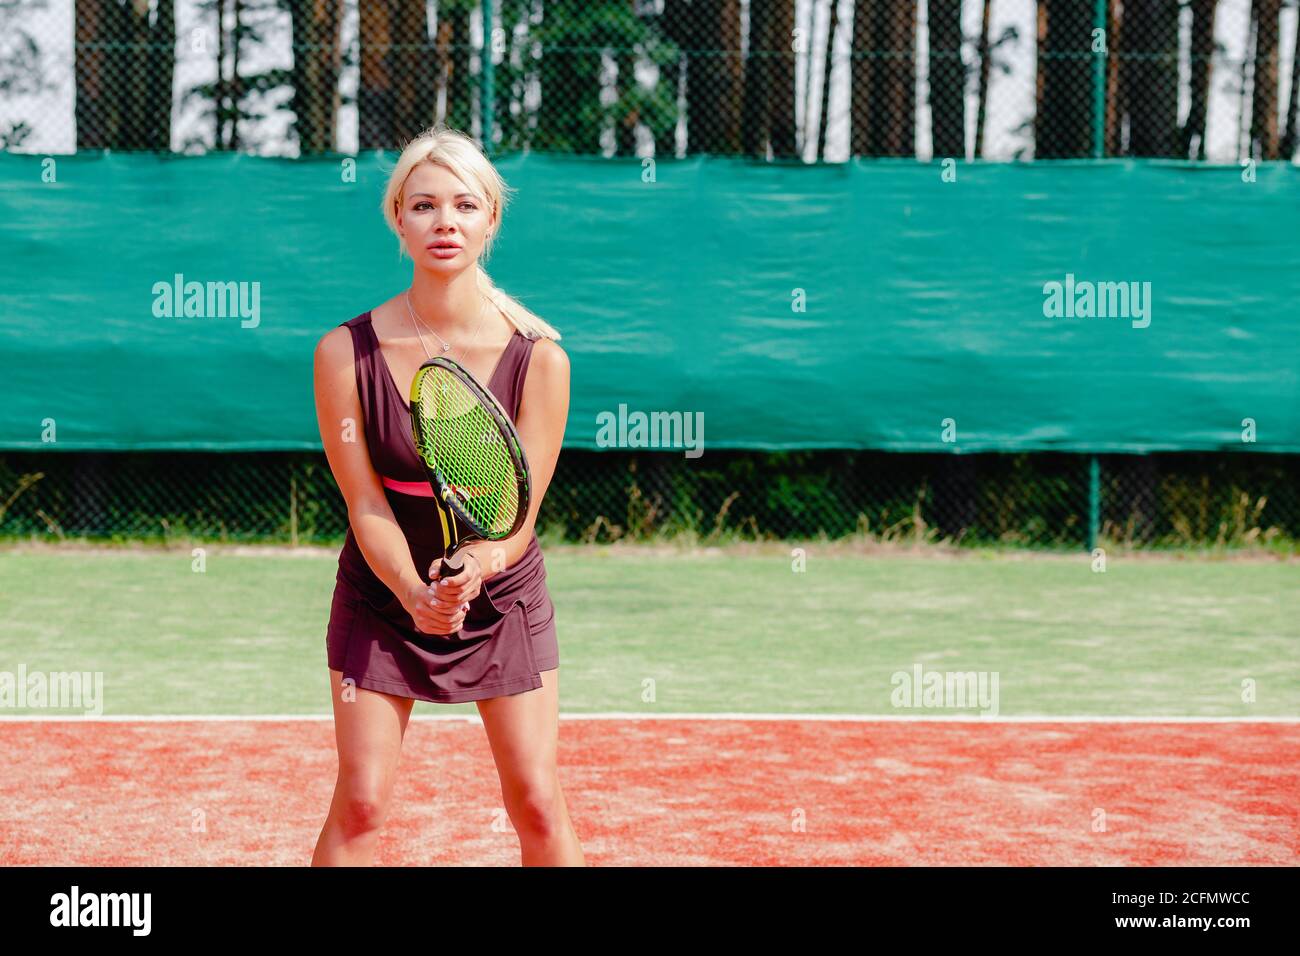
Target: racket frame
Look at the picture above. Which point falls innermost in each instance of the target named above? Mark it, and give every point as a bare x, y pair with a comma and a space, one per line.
448, 505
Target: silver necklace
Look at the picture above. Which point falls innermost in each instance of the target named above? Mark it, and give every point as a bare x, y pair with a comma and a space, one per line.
445, 346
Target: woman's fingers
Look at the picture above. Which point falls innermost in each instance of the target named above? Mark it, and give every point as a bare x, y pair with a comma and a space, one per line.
439, 600
444, 620
452, 593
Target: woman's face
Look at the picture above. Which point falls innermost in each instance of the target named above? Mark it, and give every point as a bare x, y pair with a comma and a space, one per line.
438, 210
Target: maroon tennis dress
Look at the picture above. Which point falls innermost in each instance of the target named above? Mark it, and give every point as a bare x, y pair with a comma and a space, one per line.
509, 634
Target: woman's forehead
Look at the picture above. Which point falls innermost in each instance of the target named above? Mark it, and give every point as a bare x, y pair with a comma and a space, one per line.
432, 179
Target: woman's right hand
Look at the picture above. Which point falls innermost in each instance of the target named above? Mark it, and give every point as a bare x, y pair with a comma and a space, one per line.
431, 614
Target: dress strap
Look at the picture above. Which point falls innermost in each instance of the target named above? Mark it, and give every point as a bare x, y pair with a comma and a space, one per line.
514, 367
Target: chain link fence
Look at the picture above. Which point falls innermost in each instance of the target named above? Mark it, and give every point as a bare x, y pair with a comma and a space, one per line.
1004, 80
808, 79
1017, 500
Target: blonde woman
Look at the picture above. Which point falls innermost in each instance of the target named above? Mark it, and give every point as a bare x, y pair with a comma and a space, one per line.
444, 201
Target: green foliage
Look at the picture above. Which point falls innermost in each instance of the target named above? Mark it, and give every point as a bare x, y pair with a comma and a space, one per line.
1192, 501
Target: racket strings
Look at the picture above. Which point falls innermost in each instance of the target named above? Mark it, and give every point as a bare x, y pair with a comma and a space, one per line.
462, 440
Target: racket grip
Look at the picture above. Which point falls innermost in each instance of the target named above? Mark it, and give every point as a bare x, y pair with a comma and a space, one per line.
451, 566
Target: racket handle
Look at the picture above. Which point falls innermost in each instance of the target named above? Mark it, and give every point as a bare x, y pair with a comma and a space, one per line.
451, 566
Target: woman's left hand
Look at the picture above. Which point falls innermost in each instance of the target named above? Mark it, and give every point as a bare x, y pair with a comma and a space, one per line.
455, 593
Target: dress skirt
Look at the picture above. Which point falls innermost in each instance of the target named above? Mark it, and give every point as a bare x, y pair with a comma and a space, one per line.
499, 650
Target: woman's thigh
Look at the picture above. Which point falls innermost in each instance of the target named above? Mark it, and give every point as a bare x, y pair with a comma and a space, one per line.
523, 732
368, 730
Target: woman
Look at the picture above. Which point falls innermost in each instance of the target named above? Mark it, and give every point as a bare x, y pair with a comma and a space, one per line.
386, 644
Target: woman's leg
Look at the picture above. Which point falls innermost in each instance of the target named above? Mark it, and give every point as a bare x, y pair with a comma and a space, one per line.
368, 732
523, 731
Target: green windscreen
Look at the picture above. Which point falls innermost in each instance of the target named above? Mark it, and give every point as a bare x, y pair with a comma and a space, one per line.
175, 302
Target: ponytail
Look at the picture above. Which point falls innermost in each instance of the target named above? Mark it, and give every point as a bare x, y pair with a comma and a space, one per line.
520, 317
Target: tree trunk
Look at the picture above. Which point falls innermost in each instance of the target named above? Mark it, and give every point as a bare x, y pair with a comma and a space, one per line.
1263, 103
1291, 136
781, 124
1201, 65
947, 79
895, 82
158, 62
375, 93
414, 84
1149, 76
753, 115
397, 98
221, 106
315, 73
882, 113
1247, 65
860, 78
715, 76
675, 25
985, 55
460, 77
824, 117
124, 73
1115, 41
236, 81
96, 106
1063, 121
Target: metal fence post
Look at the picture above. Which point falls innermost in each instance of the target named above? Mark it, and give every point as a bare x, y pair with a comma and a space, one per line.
1094, 501
1099, 84
487, 94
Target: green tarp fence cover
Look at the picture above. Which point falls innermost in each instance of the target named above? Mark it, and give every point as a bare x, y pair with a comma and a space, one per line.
1097, 307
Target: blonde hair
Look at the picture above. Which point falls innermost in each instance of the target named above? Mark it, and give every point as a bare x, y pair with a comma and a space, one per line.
460, 155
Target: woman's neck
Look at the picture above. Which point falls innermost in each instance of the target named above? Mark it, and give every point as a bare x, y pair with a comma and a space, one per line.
452, 308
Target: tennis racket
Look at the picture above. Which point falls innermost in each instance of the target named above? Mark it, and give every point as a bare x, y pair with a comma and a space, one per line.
472, 455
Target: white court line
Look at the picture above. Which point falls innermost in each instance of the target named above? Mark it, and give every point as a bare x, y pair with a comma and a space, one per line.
632, 715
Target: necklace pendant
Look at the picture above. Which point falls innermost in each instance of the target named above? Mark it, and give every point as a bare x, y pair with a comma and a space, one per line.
446, 348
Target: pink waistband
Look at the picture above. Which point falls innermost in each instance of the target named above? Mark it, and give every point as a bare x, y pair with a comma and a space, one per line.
421, 488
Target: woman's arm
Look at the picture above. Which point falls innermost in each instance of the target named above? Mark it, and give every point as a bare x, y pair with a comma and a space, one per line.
543, 413
377, 532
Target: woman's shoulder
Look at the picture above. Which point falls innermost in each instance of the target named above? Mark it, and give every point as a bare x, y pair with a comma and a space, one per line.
336, 344
548, 354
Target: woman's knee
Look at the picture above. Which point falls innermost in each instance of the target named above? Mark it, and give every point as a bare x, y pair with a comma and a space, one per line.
536, 807
362, 807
